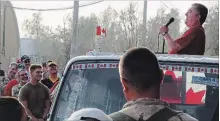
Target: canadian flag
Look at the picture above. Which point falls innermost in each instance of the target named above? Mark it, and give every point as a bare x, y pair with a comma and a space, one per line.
100, 31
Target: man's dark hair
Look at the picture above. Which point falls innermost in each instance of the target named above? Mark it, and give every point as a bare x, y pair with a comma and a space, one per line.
203, 11
139, 67
13, 64
25, 57
44, 64
35, 66
10, 109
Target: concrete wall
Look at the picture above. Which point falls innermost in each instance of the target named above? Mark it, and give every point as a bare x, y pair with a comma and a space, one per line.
12, 37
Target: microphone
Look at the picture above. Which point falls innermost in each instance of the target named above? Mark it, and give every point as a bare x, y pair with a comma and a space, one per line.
170, 21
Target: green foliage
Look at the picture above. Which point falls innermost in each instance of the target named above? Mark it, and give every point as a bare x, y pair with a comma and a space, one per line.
124, 30
212, 31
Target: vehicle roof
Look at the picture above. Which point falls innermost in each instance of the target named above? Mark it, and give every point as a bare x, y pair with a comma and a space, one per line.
161, 57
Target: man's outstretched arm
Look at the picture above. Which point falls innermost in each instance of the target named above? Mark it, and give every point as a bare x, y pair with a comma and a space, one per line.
172, 45
180, 43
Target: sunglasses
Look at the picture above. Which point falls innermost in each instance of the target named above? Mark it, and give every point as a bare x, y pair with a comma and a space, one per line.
24, 74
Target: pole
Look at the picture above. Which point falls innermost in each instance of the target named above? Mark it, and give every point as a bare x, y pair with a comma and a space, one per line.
163, 46
74, 43
144, 21
0, 31
3, 43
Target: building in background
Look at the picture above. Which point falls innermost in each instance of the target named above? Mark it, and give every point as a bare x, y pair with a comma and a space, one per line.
31, 48
28, 47
9, 35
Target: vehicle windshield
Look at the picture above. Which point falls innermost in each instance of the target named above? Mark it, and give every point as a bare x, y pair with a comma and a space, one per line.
189, 88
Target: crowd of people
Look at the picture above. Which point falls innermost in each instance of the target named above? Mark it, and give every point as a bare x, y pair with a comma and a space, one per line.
29, 87
32, 85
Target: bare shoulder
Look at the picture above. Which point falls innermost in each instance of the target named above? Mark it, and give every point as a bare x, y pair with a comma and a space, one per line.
183, 117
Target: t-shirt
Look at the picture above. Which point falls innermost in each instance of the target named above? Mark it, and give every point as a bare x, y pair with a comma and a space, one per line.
47, 82
192, 42
54, 86
35, 95
8, 88
15, 90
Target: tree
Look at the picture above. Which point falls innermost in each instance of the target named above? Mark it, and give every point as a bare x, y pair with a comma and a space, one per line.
63, 34
47, 41
130, 24
154, 24
211, 27
122, 28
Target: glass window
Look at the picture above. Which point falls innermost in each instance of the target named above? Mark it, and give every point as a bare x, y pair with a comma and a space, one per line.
98, 85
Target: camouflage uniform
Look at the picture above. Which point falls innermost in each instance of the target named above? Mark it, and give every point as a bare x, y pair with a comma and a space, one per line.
15, 90
146, 107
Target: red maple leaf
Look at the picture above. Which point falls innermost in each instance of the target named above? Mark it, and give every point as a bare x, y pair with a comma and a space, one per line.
194, 98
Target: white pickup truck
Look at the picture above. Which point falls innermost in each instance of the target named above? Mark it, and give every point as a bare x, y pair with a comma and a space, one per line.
191, 84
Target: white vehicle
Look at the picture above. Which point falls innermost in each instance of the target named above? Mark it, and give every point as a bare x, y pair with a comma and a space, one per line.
191, 85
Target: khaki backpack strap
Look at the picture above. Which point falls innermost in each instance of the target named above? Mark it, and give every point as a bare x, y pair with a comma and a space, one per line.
118, 116
163, 115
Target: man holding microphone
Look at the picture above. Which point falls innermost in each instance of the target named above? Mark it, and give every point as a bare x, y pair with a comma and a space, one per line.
192, 42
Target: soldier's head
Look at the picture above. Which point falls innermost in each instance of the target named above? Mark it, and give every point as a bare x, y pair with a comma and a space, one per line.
36, 72
22, 76
26, 60
11, 109
140, 74
12, 70
52, 68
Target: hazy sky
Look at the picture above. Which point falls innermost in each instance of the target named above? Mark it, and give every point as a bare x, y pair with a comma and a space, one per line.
54, 18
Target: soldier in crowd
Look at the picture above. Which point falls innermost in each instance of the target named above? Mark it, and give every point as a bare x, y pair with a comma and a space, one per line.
22, 78
35, 96
10, 80
11, 110
26, 62
141, 78
53, 78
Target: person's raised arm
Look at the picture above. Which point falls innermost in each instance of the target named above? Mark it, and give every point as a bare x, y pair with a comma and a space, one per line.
170, 41
172, 45
180, 43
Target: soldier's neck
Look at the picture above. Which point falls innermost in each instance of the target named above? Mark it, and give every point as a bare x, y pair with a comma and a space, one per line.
149, 94
34, 82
